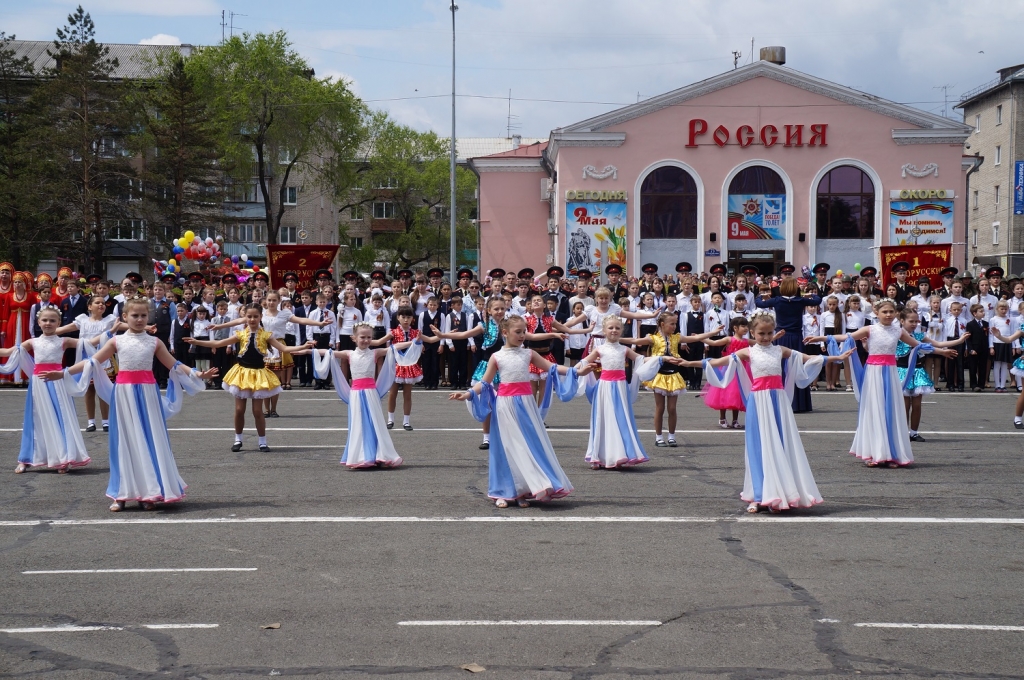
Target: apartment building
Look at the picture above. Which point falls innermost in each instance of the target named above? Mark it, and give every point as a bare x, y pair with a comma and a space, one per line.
995, 216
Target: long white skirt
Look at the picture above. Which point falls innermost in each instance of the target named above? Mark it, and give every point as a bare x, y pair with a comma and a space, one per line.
369, 442
142, 465
613, 440
50, 436
882, 433
777, 472
522, 461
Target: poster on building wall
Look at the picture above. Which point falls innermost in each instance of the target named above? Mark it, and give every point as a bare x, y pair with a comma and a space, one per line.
923, 260
920, 222
595, 236
757, 216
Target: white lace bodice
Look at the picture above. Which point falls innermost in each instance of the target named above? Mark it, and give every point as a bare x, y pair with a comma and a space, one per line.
135, 351
513, 364
765, 361
362, 363
597, 317
613, 356
89, 328
883, 339
275, 324
48, 349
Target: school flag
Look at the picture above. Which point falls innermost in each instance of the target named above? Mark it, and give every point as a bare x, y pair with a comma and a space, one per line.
303, 260
923, 260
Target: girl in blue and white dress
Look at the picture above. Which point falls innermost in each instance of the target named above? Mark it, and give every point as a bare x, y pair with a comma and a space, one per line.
613, 441
369, 443
142, 466
777, 474
882, 436
522, 462
49, 433
1017, 369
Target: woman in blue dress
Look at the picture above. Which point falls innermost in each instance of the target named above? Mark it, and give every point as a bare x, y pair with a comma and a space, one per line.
789, 309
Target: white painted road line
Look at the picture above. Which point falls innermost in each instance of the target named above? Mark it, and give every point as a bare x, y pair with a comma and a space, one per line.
568, 622
767, 520
86, 629
137, 571
941, 626
555, 430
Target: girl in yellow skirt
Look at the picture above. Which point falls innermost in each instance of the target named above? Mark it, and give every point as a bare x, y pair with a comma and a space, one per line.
250, 378
669, 383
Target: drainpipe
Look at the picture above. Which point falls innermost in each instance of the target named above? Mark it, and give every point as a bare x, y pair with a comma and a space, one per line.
978, 160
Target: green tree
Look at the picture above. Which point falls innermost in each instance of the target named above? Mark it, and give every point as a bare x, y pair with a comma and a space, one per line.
410, 171
23, 231
279, 119
180, 142
91, 174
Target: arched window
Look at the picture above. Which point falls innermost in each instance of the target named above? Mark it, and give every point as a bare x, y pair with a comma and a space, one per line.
668, 204
757, 179
846, 204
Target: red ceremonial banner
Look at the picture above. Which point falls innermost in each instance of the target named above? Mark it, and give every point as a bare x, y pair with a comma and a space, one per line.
303, 260
923, 260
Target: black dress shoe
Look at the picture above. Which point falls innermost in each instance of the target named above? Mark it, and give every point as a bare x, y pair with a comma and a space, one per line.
106, 428
916, 438
408, 428
236, 447
90, 428
485, 446
318, 387
264, 448
391, 424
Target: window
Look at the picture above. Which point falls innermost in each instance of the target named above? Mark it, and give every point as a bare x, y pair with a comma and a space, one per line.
357, 212
384, 210
287, 235
668, 204
974, 239
846, 204
995, 233
205, 232
356, 242
110, 147
389, 183
995, 190
975, 199
126, 230
977, 123
247, 233
999, 155
245, 192
285, 156
291, 195
999, 114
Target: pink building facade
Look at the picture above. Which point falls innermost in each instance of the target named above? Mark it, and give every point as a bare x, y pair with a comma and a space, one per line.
760, 165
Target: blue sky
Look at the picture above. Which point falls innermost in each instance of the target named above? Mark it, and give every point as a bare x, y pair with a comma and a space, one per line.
566, 60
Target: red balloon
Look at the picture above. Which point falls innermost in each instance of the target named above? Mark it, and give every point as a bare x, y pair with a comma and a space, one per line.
255, 267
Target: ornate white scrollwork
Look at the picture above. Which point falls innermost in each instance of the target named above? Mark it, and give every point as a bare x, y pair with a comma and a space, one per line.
929, 169
609, 171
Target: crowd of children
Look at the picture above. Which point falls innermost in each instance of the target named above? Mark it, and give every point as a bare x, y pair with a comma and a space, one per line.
762, 350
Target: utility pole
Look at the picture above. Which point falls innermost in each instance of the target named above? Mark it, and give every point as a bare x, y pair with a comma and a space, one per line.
455, 8
223, 25
945, 96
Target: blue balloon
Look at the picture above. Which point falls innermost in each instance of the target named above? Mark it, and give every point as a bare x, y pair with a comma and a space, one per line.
170, 268
248, 264
234, 259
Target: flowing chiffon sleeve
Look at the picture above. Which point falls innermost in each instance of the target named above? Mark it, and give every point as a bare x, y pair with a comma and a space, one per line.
801, 371
644, 370
178, 386
410, 355
19, 359
325, 364
481, 405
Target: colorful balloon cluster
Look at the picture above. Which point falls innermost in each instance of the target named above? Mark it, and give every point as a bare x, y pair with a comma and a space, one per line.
191, 247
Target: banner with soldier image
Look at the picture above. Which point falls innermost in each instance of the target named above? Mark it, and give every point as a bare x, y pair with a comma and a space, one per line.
595, 236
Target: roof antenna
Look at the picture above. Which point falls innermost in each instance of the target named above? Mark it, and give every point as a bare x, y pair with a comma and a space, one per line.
751, 50
945, 97
736, 59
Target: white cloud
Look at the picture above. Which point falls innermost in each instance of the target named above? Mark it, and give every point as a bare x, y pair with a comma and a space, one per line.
161, 39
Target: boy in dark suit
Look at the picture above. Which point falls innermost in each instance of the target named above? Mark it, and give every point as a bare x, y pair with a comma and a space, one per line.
977, 347
70, 308
458, 321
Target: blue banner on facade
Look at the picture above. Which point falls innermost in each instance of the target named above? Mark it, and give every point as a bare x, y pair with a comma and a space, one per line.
1018, 188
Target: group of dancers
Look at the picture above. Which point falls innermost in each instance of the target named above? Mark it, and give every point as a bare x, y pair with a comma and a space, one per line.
513, 387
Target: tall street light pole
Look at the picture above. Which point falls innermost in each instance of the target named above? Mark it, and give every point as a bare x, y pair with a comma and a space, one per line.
451, 209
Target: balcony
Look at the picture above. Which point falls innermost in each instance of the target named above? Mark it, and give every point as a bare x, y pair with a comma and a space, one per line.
387, 226
253, 250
